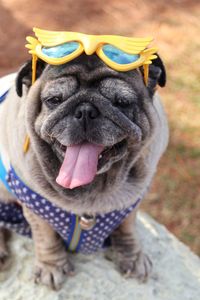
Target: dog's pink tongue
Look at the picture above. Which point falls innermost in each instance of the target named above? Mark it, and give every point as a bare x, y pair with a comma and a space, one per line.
79, 166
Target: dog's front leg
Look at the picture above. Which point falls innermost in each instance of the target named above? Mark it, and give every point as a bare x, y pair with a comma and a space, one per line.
128, 255
52, 263
4, 249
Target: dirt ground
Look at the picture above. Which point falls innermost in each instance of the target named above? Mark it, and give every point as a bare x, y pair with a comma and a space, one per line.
174, 199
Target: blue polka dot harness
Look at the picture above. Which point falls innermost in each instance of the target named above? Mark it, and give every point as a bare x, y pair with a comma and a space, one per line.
66, 224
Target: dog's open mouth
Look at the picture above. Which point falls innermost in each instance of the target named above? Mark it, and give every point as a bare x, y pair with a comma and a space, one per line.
113, 152
82, 161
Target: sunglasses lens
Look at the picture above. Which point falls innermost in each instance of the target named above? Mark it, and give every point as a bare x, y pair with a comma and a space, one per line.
119, 56
60, 50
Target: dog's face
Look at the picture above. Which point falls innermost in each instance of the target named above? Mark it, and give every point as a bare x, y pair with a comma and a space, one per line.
88, 120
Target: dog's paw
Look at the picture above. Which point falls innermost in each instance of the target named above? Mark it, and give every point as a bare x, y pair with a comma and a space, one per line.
138, 267
52, 275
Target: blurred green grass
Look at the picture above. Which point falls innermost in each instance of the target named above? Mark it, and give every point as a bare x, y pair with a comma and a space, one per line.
175, 196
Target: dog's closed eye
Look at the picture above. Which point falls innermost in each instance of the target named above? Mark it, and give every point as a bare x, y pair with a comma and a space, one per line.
122, 102
58, 90
52, 101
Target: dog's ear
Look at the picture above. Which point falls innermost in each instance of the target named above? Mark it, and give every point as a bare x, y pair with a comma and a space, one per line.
24, 75
157, 75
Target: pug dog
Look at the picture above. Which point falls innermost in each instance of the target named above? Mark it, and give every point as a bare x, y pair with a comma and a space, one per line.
96, 136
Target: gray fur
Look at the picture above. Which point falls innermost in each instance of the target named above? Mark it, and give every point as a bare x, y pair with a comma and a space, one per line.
127, 112
142, 123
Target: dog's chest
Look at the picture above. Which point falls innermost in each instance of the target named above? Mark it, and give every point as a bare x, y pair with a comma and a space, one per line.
65, 223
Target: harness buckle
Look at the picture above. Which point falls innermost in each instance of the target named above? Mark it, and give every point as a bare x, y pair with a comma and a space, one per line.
87, 222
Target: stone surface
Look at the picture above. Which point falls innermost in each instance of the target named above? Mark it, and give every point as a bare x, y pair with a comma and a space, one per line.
175, 276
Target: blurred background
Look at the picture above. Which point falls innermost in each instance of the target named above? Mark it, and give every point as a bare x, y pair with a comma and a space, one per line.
174, 199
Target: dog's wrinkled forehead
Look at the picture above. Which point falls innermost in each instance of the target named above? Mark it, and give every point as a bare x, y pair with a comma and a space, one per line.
89, 68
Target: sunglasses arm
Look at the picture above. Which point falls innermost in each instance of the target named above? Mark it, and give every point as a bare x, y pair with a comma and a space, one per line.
146, 73
34, 65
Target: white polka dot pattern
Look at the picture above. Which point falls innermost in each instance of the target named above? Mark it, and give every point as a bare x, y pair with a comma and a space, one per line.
63, 222
98, 237
11, 217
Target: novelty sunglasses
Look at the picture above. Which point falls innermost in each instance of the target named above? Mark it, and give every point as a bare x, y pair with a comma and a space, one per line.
118, 52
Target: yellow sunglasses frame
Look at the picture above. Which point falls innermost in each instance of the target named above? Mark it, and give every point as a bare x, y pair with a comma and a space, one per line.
59, 60
91, 44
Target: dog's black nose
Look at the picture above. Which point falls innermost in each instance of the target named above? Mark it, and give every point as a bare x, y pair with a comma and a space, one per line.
86, 112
